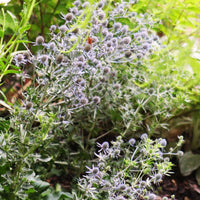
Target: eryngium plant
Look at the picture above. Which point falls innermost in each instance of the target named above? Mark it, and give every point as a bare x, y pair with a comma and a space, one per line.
77, 74
127, 170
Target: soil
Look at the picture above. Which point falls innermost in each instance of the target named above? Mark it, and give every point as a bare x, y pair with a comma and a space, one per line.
184, 188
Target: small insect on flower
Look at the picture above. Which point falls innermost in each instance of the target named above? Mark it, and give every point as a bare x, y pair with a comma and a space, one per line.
90, 40
101, 4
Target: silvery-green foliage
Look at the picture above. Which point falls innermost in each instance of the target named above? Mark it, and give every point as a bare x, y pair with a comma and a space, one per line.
127, 170
78, 72
19, 145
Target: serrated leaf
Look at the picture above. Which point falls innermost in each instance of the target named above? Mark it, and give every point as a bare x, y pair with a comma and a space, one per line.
39, 183
36, 181
189, 162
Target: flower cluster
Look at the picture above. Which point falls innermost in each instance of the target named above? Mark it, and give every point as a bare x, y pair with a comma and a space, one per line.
76, 64
127, 170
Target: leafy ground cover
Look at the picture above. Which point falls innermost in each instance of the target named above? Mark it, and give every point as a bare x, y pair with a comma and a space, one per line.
95, 103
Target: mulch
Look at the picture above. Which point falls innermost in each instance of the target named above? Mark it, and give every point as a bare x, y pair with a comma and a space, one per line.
184, 188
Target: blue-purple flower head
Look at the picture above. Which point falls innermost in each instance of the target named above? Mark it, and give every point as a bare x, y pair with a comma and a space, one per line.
103, 147
132, 142
144, 136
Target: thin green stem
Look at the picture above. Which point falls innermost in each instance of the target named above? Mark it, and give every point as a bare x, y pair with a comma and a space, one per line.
3, 30
12, 45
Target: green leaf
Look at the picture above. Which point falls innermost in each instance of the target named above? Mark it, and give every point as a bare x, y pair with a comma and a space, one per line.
59, 196
11, 72
1, 34
10, 23
23, 41
24, 28
46, 192
4, 169
188, 163
39, 183
30, 191
13, 17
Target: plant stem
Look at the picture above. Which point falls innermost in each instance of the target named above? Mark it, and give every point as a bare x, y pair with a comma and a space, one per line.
12, 45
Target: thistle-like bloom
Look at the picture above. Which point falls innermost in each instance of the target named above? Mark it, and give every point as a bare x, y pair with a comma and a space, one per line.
39, 40
96, 99
84, 101
94, 171
103, 147
44, 59
132, 142
63, 28
19, 59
